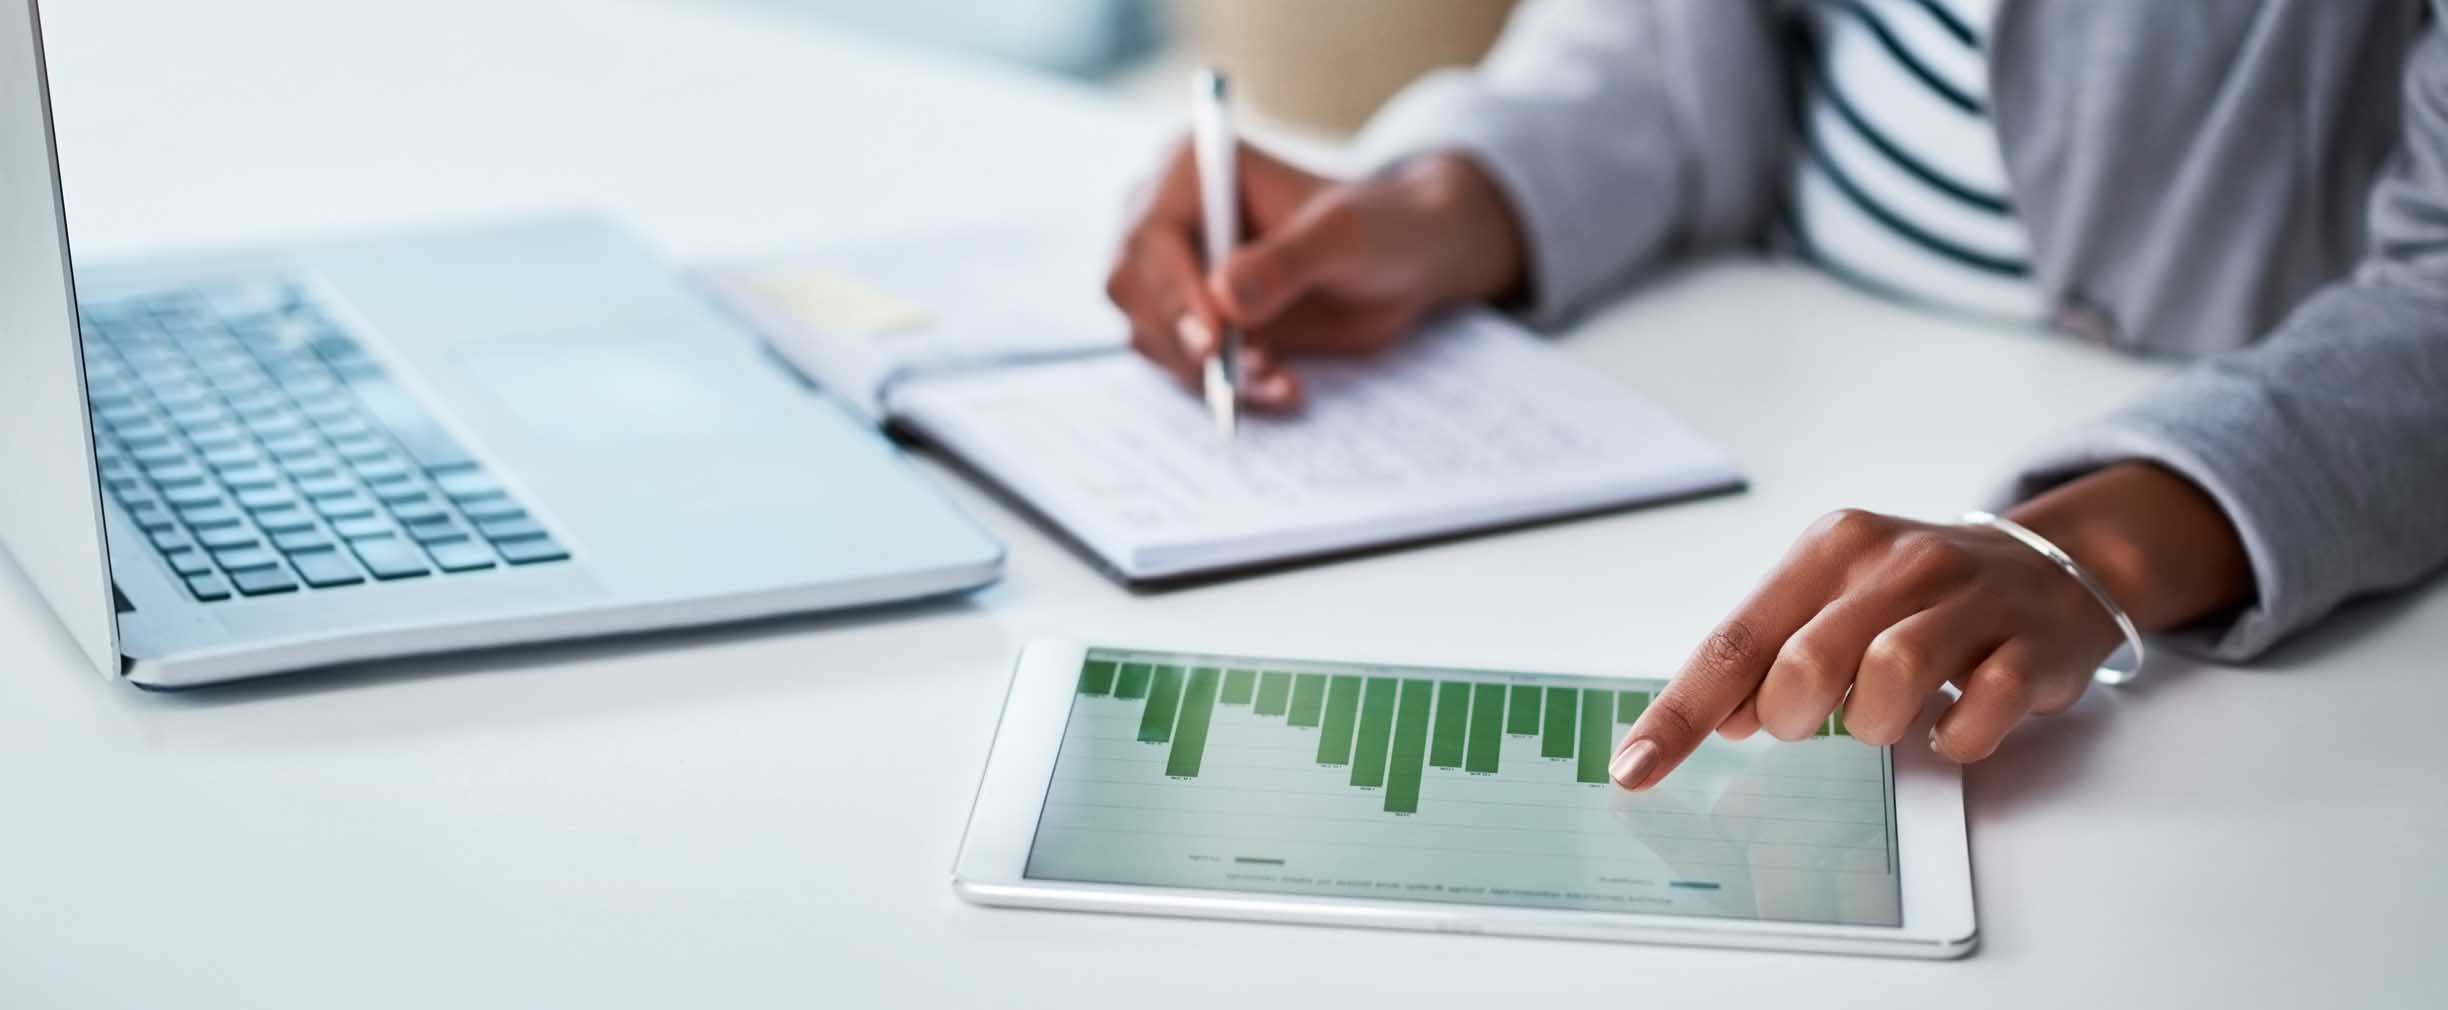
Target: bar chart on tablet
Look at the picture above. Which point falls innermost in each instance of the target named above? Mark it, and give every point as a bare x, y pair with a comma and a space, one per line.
1447, 785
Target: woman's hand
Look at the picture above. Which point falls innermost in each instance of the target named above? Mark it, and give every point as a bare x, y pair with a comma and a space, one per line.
1323, 267
1870, 613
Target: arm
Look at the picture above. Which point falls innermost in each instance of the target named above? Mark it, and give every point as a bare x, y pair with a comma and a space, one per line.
2241, 502
1619, 132
1598, 136
2327, 443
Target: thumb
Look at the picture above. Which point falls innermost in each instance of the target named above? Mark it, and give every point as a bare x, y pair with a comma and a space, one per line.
1263, 277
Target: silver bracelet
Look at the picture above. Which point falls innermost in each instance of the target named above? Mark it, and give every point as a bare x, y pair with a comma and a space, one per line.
2111, 672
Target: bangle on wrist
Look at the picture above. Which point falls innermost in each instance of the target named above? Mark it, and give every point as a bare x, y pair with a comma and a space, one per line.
2114, 671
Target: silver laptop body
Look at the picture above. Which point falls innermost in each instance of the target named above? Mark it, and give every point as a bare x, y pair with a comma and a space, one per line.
299, 457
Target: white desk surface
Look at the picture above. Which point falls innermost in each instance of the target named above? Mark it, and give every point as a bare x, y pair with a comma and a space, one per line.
766, 816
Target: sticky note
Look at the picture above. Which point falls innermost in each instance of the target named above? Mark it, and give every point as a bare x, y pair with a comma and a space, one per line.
827, 301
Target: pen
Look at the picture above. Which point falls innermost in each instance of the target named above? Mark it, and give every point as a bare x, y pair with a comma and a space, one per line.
1211, 145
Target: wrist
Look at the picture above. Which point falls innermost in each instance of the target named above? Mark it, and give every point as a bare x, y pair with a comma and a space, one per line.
2160, 545
1475, 237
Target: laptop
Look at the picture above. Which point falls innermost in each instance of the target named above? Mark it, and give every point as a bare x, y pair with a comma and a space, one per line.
229, 465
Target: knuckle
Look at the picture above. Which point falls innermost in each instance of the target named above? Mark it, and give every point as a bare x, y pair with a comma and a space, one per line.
1789, 730
1137, 273
1727, 645
1670, 720
2008, 687
1153, 247
1874, 724
1849, 528
1808, 664
1797, 696
1433, 193
1904, 655
1928, 556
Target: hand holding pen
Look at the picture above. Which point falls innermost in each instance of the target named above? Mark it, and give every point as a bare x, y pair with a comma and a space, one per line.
1323, 266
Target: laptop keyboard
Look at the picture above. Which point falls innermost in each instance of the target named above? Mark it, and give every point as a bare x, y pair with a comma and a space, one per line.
263, 451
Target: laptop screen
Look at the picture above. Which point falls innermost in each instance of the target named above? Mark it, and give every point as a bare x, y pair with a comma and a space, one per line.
50, 515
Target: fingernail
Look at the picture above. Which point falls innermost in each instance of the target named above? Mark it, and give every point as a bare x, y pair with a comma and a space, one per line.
1632, 765
1196, 338
1274, 388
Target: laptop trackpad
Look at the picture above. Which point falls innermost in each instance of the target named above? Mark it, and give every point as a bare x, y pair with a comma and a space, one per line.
604, 390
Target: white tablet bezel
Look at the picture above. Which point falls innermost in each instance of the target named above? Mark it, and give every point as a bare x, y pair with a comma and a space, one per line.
1931, 850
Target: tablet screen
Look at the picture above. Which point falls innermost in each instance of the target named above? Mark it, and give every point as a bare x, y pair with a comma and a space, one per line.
1445, 785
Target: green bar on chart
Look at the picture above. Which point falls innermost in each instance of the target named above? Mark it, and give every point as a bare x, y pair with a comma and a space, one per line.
1452, 724
1836, 722
1629, 705
1190, 733
1525, 718
1557, 740
1239, 685
1274, 692
1597, 735
1403, 767
1376, 732
1308, 699
1486, 729
1164, 701
1097, 677
1342, 713
1131, 681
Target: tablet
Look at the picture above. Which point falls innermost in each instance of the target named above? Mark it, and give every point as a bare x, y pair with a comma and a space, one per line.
1465, 800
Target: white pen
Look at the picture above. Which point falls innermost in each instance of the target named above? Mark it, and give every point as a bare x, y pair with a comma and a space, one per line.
1211, 145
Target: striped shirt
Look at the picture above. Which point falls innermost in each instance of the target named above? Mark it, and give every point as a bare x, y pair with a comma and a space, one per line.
1898, 183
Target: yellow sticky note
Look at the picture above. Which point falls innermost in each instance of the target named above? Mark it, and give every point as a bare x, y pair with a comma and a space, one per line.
828, 301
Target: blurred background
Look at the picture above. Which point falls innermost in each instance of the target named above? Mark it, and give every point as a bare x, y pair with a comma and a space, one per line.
1311, 68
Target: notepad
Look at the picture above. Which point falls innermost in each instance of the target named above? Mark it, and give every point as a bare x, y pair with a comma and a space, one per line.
859, 319
1470, 425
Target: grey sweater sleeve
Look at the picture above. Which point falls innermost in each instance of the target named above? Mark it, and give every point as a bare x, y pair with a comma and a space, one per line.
1592, 117
2327, 442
